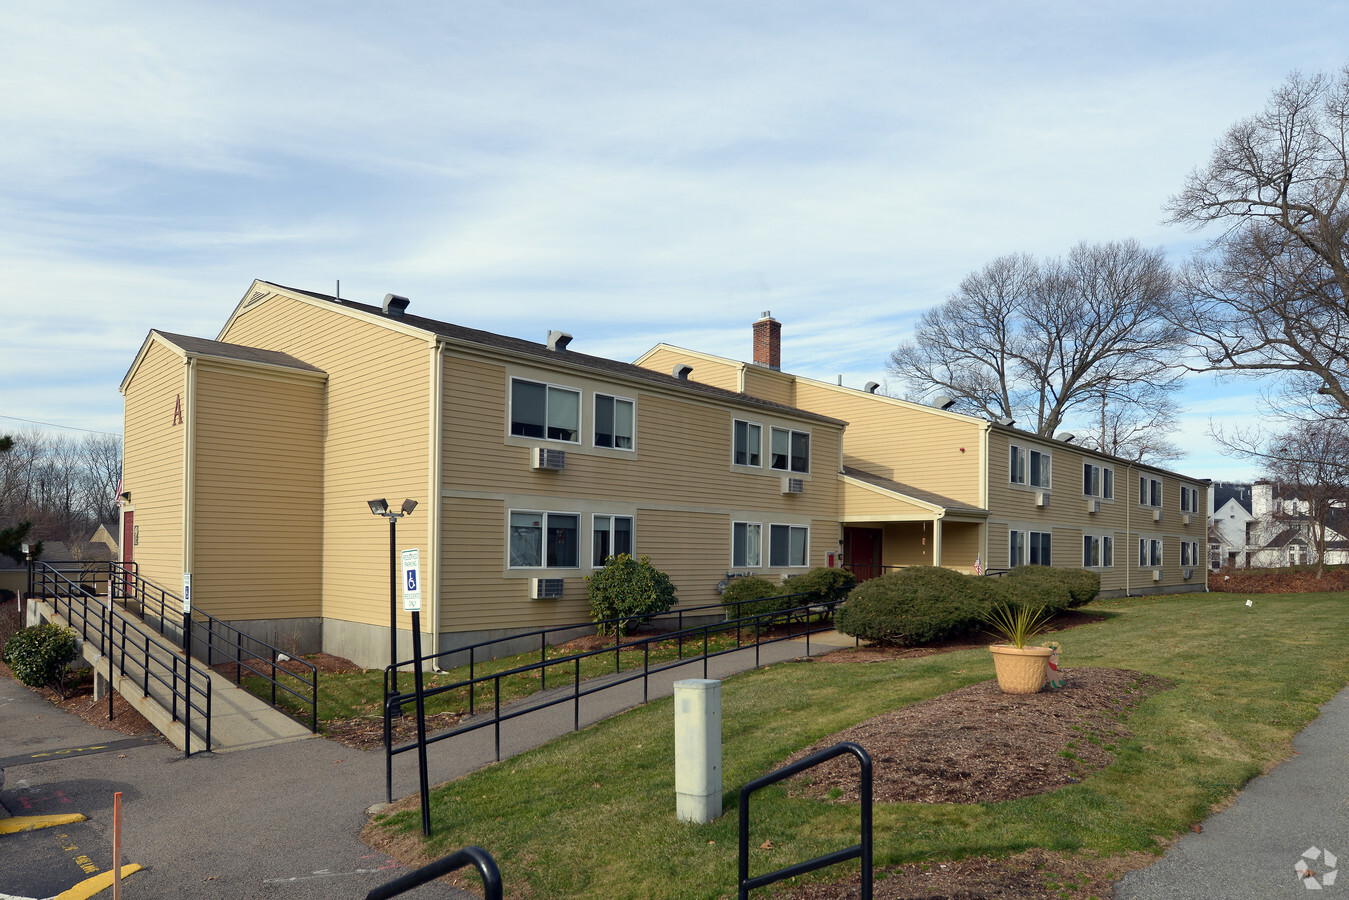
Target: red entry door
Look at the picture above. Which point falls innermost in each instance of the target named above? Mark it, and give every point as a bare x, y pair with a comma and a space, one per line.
128, 548
862, 552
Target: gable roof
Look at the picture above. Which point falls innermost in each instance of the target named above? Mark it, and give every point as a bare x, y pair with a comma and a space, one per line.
460, 334
196, 347
910, 492
1224, 491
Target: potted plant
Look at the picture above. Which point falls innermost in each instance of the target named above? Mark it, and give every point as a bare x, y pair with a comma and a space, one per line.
1020, 669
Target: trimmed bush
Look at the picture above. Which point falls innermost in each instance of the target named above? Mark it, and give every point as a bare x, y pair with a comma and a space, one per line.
823, 584
39, 655
1057, 589
913, 606
760, 597
629, 589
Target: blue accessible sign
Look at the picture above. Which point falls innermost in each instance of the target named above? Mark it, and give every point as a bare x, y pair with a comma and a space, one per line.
412, 581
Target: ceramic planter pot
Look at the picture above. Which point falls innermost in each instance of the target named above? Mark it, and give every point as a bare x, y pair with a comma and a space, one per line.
1020, 671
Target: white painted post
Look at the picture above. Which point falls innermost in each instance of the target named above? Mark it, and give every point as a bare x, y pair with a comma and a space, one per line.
697, 750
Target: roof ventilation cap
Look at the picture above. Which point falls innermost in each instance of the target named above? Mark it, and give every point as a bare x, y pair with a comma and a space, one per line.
943, 401
558, 340
872, 387
395, 305
682, 371
1005, 420
1066, 436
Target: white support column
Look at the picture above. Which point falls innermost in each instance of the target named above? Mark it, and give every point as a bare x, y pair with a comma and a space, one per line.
697, 704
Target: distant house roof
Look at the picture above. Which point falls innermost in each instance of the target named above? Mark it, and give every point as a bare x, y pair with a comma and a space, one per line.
1223, 491
463, 334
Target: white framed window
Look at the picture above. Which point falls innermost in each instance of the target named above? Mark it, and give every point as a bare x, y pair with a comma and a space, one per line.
609, 536
1030, 467
1016, 549
1149, 553
545, 411
1098, 481
1149, 492
789, 450
1040, 554
1189, 553
1189, 500
788, 546
1215, 556
746, 545
747, 441
615, 422
547, 540
1098, 551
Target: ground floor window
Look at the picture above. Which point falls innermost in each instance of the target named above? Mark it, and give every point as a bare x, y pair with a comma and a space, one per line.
1098, 551
544, 540
1189, 553
788, 545
1033, 547
610, 536
746, 545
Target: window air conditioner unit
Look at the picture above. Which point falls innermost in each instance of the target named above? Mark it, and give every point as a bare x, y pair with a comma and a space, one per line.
793, 485
547, 459
1189, 573
545, 588
1187, 518
1156, 574
1156, 515
1041, 499
1093, 506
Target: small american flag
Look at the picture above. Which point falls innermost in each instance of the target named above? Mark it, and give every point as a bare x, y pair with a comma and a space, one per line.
117, 494
978, 565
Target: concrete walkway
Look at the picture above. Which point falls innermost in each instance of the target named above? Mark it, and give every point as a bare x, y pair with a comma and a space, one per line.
270, 822
1251, 850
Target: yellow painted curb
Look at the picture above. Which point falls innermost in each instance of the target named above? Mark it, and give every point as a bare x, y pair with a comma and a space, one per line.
15, 824
91, 886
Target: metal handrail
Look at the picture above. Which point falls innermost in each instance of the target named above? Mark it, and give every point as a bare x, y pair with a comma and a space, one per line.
861, 850
469, 856
120, 638
394, 700
218, 637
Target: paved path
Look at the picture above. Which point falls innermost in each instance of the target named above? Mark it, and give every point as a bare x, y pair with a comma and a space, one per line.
272, 822
1249, 850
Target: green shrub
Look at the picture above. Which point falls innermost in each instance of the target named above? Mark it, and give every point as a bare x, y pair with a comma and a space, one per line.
823, 584
39, 655
629, 589
756, 596
916, 605
1057, 589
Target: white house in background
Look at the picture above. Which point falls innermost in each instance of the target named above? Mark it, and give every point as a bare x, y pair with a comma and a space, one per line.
1251, 527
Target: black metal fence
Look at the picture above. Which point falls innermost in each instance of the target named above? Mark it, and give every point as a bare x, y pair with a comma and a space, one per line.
469, 856
860, 850
211, 640
179, 686
794, 623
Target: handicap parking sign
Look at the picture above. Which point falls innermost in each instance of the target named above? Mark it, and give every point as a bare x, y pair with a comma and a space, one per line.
412, 581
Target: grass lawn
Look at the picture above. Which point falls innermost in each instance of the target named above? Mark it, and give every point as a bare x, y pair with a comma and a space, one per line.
593, 814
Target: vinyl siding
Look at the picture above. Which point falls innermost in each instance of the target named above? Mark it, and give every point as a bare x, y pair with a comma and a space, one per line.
865, 504
376, 440
259, 493
769, 385
722, 373
152, 468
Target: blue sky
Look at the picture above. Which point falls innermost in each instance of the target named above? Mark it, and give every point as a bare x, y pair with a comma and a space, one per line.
629, 173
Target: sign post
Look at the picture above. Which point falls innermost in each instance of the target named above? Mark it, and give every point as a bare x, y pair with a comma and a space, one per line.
412, 602
187, 614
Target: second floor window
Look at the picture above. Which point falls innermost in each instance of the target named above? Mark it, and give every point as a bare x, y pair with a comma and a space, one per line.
748, 443
1098, 481
613, 422
1030, 467
789, 451
545, 411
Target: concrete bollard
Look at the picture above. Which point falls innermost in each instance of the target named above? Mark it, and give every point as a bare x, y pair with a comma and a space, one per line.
697, 704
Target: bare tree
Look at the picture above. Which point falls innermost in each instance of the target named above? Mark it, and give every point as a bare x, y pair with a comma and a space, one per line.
1045, 342
62, 486
101, 468
1268, 294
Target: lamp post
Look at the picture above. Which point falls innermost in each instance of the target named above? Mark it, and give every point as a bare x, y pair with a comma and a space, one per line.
381, 508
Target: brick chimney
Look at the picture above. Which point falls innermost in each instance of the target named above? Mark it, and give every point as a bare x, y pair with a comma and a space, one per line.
768, 341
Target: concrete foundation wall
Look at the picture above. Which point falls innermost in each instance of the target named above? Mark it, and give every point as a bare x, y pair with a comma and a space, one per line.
1150, 589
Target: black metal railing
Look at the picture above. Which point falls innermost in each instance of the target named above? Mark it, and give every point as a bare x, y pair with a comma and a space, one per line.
211, 640
469, 856
811, 617
181, 688
868, 571
860, 851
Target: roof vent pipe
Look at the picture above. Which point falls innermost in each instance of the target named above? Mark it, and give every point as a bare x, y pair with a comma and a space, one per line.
395, 305
871, 386
558, 341
682, 371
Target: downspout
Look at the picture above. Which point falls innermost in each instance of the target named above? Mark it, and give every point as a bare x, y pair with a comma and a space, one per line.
985, 461
189, 461
1128, 537
436, 504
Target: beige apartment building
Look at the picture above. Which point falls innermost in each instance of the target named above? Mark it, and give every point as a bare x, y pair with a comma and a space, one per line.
250, 459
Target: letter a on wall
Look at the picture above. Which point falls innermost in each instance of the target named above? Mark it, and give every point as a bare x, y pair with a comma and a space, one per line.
178, 410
